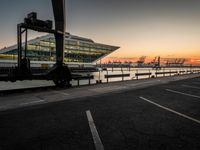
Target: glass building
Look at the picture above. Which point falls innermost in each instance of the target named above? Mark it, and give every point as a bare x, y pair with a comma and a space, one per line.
77, 49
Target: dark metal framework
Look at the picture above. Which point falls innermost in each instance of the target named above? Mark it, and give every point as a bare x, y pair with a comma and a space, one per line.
60, 25
59, 73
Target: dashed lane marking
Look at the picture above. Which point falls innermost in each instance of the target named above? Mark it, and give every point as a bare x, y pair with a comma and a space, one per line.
108, 89
31, 103
3, 107
142, 83
97, 141
182, 93
195, 83
170, 110
59, 92
189, 86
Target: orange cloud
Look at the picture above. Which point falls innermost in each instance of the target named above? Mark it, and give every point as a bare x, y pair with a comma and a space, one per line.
195, 61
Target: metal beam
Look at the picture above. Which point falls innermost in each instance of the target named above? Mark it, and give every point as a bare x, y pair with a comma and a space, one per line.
60, 22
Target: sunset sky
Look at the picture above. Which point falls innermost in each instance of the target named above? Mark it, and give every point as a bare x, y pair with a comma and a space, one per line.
169, 28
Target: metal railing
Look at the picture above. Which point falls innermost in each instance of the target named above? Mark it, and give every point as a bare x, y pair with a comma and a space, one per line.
119, 74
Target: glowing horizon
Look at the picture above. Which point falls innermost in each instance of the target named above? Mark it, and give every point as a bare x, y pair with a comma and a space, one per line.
141, 28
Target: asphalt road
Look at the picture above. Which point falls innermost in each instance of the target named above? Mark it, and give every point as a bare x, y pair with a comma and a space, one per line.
161, 117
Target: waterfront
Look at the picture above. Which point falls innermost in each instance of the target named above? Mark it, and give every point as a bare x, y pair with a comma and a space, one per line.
100, 75
58, 90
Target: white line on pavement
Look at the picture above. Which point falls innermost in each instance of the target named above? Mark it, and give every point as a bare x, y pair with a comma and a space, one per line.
3, 107
173, 91
108, 89
170, 110
189, 86
32, 102
97, 141
59, 92
195, 83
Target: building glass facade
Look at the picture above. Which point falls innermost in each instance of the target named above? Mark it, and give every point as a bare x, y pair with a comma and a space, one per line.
77, 49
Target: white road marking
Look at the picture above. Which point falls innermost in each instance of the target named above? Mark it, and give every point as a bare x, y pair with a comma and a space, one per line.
59, 92
153, 82
108, 89
3, 107
170, 110
97, 141
189, 86
32, 102
197, 83
141, 83
173, 91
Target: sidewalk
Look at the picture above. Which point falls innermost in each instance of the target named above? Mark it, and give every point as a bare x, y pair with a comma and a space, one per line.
20, 100
24, 84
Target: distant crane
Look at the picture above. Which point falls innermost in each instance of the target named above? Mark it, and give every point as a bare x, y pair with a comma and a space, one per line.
156, 62
141, 61
175, 61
